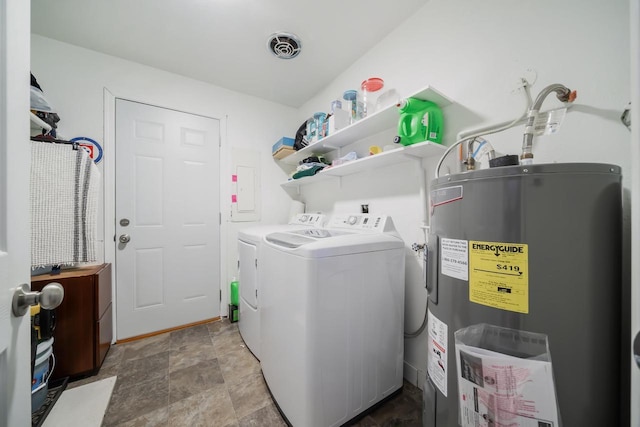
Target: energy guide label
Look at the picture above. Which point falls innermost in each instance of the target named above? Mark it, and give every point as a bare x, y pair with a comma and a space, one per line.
499, 275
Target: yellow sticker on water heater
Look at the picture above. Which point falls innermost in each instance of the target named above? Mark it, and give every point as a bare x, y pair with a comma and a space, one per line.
499, 275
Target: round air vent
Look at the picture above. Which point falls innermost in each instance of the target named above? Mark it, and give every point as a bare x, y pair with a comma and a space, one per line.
284, 45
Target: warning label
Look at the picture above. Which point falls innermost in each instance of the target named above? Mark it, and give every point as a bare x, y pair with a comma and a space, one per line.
454, 258
437, 355
499, 275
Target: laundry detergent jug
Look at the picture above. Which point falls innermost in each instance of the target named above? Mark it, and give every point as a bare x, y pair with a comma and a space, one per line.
419, 121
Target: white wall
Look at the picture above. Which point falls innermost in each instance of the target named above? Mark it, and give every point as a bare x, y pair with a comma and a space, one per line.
74, 79
474, 53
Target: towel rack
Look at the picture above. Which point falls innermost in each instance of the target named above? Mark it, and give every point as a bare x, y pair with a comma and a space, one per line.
47, 138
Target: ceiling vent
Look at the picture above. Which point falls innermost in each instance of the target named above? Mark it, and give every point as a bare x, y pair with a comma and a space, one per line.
284, 45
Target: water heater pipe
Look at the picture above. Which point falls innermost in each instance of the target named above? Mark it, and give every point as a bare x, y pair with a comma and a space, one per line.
487, 130
470, 161
417, 248
422, 181
564, 94
423, 193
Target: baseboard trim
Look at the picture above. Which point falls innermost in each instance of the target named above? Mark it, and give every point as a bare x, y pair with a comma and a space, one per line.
164, 331
410, 374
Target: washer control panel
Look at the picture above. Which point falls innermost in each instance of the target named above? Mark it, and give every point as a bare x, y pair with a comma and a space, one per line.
359, 222
316, 220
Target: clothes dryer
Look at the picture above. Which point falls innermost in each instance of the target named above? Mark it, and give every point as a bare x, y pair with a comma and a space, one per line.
332, 318
249, 276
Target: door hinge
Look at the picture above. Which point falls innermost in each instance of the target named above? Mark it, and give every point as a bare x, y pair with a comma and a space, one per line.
220, 294
219, 218
238, 264
256, 293
256, 262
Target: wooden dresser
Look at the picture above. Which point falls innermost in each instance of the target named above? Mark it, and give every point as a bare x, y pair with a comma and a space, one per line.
83, 329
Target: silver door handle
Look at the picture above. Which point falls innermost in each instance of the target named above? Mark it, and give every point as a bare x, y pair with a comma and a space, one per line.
50, 297
124, 238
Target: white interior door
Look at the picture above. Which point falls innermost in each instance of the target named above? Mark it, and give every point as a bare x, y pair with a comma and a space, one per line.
167, 207
15, 257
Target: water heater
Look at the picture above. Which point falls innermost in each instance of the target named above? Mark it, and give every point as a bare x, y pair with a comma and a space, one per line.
536, 249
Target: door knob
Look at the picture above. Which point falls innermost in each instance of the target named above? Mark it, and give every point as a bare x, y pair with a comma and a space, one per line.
49, 298
124, 238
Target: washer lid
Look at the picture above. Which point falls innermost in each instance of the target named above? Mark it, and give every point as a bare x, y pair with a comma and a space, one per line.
255, 234
297, 238
320, 243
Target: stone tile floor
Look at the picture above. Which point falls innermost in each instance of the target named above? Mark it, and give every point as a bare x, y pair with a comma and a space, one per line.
205, 376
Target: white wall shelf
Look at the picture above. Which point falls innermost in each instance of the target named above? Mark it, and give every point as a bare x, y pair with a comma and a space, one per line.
386, 158
382, 120
379, 121
297, 183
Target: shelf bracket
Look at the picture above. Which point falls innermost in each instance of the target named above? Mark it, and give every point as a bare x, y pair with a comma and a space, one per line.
424, 195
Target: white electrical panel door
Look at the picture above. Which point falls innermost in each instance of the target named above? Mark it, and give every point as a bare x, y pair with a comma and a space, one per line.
245, 185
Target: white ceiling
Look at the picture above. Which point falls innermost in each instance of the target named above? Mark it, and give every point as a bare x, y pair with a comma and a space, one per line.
224, 42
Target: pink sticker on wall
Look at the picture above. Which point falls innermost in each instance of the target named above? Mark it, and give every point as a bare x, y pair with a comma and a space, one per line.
234, 178
234, 198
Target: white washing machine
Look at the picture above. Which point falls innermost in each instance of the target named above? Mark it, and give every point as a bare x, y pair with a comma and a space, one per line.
332, 318
249, 276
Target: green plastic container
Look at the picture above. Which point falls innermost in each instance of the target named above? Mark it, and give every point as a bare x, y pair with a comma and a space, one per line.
234, 313
419, 121
234, 292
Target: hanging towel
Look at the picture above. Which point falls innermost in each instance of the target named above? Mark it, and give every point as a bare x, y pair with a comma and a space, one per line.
64, 205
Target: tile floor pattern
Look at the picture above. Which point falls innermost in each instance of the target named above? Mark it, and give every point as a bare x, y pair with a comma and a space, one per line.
205, 376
